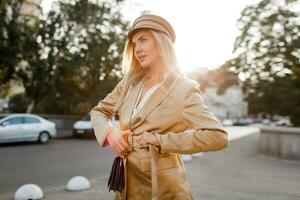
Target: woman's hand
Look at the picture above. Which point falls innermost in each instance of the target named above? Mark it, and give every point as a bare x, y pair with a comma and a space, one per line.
147, 138
116, 140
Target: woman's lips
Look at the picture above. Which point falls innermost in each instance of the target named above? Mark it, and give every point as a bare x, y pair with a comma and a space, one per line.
141, 58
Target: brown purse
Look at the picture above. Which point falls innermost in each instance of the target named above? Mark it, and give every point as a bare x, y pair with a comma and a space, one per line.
116, 181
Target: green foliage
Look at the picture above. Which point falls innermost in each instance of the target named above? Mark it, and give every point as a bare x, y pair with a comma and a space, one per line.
4, 90
64, 59
18, 103
11, 40
75, 101
21, 53
91, 38
268, 57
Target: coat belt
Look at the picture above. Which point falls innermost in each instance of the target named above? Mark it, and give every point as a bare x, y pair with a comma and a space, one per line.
154, 163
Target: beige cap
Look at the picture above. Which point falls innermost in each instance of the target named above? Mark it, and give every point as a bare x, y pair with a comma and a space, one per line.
153, 22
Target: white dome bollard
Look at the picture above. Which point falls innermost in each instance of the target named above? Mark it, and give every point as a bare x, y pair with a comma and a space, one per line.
29, 191
186, 158
78, 183
198, 155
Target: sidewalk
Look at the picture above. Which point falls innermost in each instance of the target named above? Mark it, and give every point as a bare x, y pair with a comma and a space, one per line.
240, 173
236, 173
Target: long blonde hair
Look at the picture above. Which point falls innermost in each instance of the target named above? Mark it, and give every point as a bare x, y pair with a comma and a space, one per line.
166, 50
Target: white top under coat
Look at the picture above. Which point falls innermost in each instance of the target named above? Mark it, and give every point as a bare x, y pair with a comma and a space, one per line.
142, 101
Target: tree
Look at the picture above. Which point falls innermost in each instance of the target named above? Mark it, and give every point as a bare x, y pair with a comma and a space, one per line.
11, 40
91, 35
21, 54
268, 57
96, 35
18, 103
61, 58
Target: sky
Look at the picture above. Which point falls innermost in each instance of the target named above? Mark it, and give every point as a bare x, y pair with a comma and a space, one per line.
205, 30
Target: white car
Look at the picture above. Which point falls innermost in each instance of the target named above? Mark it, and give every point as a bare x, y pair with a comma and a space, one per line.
26, 127
283, 122
84, 128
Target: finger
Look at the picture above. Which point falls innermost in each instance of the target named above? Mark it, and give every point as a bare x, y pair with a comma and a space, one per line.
148, 138
127, 132
125, 153
142, 140
120, 146
125, 145
139, 139
116, 148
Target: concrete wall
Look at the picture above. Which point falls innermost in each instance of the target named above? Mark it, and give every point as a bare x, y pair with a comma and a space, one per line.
280, 142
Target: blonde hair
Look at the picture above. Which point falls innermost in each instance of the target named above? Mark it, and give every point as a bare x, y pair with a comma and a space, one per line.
166, 51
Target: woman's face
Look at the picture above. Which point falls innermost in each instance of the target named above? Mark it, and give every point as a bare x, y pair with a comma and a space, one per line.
145, 49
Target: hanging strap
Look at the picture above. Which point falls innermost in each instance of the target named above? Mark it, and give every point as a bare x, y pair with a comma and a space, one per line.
154, 178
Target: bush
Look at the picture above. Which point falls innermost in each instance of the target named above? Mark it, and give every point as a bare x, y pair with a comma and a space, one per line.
18, 103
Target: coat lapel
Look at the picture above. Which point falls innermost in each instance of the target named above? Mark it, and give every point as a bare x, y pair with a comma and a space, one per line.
154, 100
129, 102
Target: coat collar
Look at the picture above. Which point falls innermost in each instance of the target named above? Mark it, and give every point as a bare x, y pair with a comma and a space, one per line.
154, 100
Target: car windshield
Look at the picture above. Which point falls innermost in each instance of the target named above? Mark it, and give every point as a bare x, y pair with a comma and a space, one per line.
86, 118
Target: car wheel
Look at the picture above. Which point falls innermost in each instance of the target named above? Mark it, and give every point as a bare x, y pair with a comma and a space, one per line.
44, 138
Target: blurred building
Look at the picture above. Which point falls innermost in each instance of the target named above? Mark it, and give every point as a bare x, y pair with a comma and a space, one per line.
230, 104
31, 9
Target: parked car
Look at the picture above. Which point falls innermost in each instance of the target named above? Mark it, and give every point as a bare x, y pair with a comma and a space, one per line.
84, 128
266, 121
26, 127
257, 120
243, 122
283, 122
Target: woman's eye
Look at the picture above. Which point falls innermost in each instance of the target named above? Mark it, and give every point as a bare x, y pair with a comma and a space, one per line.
143, 39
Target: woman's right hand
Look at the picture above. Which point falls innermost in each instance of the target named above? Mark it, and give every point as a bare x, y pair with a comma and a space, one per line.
116, 140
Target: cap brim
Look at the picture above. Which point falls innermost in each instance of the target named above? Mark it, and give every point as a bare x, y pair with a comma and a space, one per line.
131, 32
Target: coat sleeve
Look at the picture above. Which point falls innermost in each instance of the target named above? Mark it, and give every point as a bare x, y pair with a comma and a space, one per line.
207, 133
102, 113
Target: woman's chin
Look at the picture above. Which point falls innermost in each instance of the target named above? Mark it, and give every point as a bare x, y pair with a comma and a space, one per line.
144, 66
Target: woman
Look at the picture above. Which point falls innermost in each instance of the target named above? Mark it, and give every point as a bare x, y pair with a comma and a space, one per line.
156, 105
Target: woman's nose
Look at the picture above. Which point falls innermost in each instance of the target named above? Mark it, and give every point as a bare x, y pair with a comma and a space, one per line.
137, 48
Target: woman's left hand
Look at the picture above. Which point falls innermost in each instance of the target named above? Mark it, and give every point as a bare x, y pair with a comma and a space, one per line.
147, 138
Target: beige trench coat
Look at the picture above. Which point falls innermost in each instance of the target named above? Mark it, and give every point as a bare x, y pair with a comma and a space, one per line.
159, 173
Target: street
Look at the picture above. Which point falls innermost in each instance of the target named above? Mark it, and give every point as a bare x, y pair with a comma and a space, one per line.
53, 164
236, 173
